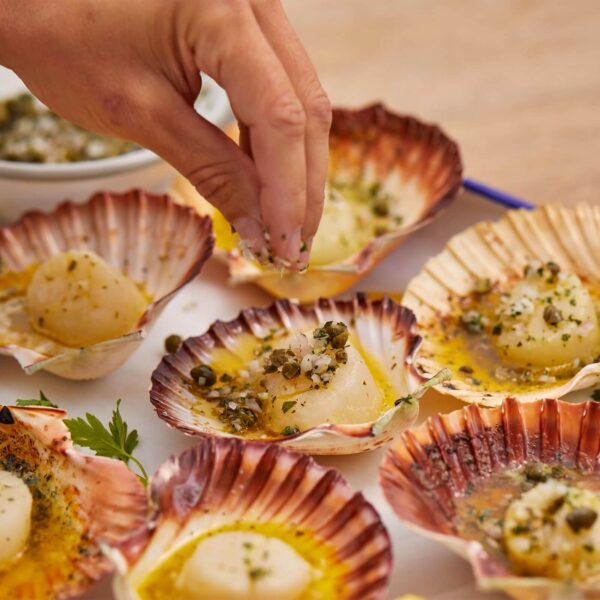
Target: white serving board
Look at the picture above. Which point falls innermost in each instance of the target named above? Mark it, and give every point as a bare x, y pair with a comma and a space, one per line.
420, 566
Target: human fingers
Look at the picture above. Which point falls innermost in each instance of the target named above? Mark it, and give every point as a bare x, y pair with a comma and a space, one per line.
263, 98
212, 162
317, 108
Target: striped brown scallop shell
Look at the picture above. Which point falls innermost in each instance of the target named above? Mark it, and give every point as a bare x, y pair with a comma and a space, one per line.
414, 163
383, 328
155, 241
222, 482
80, 502
433, 465
499, 251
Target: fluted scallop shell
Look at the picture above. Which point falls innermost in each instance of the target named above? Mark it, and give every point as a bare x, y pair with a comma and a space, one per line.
383, 328
97, 501
223, 482
432, 465
416, 164
499, 251
155, 241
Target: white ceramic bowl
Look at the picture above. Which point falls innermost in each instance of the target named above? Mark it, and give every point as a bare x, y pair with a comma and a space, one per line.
27, 186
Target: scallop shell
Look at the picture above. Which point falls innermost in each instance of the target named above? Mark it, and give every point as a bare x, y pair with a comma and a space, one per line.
105, 499
433, 464
498, 250
222, 482
415, 163
155, 241
384, 328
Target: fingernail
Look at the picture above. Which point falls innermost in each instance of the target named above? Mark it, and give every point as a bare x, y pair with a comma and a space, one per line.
292, 248
251, 232
305, 249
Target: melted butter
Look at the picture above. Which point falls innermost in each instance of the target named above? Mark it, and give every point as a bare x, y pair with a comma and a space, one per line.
384, 383
449, 344
329, 572
15, 283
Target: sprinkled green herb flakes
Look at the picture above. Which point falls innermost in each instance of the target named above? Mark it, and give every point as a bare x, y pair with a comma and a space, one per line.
290, 430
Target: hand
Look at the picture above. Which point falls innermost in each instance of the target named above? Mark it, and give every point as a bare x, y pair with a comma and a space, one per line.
131, 69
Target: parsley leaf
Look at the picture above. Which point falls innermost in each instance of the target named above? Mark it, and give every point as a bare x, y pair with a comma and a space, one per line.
596, 395
116, 441
42, 401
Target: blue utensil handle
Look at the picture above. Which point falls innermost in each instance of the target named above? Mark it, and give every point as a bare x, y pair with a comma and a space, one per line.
495, 195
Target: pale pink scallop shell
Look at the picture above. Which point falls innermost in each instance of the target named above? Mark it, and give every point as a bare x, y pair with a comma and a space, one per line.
384, 328
111, 501
224, 481
431, 465
150, 238
370, 143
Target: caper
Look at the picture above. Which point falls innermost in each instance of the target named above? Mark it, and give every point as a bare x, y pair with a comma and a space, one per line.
381, 208
341, 356
332, 329
278, 357
536, 472
552, 315
173, 343
203, 375
339, 341
553, 268
290, 370
557, 505
580, 518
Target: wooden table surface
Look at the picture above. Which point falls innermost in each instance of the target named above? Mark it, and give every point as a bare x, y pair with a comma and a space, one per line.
515, 82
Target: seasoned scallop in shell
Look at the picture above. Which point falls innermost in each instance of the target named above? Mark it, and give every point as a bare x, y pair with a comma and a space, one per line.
513, 489
238, 519
80, 300
57, 506
511, 307
335, 377
81, 286
389, 175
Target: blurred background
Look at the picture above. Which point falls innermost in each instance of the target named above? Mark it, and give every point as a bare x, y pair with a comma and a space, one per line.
515, 82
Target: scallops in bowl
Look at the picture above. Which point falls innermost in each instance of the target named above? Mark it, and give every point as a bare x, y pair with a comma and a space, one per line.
57, 507
334, 377
79, 287
238, 519
389, 175
512, 306
513, 489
